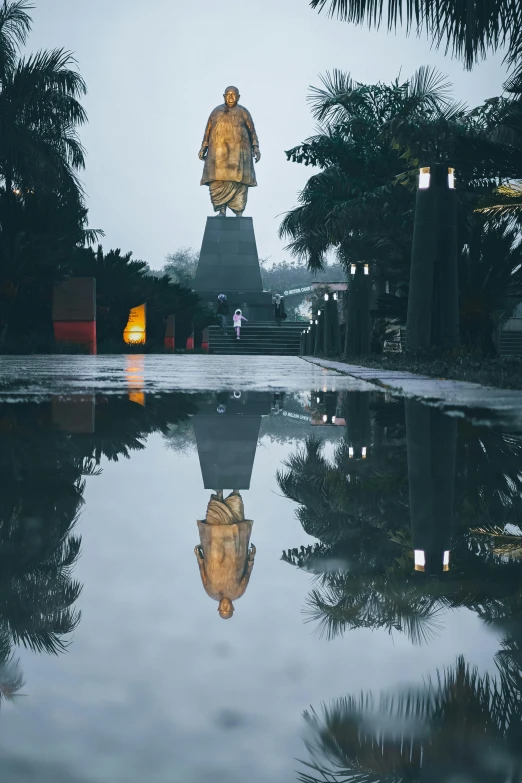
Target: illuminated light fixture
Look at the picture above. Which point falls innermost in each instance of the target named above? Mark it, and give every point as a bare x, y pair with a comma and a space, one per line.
445, 561
326, 297
451, 179
424, 178
318, 399
335, 297
135, 331
237, 395
363, 452
333, 419
352, 269
311, 321
367, 269
325, 418
316, 321
318, 314
419, 559
350, 451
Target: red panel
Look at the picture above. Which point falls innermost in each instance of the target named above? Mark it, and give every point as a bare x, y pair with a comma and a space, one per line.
190, 343
169, 343
82, 332
204, 346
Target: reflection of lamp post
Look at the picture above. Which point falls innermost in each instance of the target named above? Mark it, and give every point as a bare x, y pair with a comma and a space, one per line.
431, 442
433, 315
358, 424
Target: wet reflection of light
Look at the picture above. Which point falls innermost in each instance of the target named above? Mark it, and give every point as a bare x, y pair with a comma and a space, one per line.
350, 451
445, 561
363, 453
325, 417
333, 419
420, 559
135, 372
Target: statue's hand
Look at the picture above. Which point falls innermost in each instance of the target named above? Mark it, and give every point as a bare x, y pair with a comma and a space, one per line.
253, 551
198, 552
257, 154
202, 153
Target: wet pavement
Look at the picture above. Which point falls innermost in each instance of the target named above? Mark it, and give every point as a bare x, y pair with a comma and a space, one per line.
260, 570
48, 374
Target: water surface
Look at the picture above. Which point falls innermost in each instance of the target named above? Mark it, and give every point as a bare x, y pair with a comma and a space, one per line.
346, 652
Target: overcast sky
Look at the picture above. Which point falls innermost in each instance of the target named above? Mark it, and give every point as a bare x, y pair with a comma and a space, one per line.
156, 69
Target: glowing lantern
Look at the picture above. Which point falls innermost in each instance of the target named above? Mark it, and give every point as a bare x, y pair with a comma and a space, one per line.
135, 331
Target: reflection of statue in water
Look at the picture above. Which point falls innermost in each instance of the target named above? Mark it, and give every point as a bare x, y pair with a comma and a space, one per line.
225, 562
228, 146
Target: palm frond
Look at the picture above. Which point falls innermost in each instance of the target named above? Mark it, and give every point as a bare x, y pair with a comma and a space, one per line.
469, 28
15, 24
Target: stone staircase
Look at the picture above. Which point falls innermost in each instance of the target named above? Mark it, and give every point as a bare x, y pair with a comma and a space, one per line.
261, 337
511, 343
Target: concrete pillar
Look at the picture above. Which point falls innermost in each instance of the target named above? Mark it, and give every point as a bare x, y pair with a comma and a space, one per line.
433, 308
358, 325
74, 311
170, 333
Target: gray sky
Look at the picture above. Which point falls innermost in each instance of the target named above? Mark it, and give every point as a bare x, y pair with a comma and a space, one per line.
156, 69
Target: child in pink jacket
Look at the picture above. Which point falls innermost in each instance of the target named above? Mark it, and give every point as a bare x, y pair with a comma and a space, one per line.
238, 317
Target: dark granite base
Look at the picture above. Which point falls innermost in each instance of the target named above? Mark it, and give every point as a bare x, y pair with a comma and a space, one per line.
229, 264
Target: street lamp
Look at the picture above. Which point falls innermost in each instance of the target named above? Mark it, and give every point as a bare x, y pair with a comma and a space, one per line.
433, 308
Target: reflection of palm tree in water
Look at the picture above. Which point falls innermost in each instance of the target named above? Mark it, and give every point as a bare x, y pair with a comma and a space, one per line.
361, 514
42, 480
459, 727
224, 559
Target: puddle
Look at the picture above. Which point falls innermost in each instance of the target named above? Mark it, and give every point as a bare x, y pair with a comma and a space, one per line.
368, 552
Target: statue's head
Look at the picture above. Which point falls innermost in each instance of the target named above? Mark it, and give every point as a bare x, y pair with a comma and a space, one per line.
226, 608
231, 96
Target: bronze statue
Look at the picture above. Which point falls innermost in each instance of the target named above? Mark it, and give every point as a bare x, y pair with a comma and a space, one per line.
224, 559
228, 146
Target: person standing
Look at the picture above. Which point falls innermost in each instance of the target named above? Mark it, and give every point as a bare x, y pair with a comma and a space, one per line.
238, 317
279, 309
222, 311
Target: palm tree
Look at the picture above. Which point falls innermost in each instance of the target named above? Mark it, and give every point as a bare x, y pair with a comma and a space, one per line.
469, 28
352, 203
459, 724
42, 211
38, 232
39, 110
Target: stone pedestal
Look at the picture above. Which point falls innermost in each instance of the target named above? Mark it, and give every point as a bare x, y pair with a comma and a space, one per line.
229, 264
227, 440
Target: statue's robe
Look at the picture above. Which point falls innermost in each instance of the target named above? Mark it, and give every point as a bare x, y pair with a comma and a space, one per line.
224, 536
229, 167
